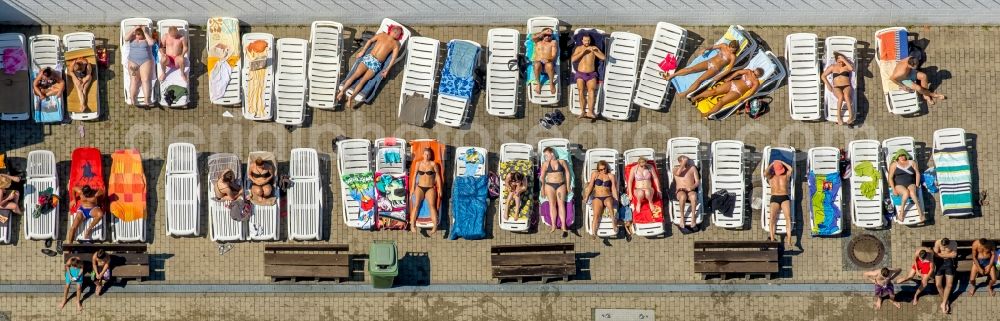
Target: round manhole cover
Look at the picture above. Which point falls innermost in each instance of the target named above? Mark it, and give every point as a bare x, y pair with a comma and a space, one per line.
866, 251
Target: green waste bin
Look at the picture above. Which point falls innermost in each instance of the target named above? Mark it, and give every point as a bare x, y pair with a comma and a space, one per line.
382, 263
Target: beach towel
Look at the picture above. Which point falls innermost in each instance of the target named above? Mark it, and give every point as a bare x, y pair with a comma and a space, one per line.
391, 192
683, 83
127, 186
867, 169
893, 46
14, 60
468, 207
954, 180
597, 40
219, 79
529, 53
457, 78
361, 188
543, 202
85, 169
15, 82
648, 212
826, 212
223, 40
473, 160
524, 167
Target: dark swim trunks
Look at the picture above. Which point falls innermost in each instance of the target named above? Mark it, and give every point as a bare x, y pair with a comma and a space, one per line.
586, 76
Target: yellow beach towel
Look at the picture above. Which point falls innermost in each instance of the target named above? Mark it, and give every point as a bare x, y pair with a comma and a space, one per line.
127, 188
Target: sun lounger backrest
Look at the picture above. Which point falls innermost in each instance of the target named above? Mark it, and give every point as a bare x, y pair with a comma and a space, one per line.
652, 88
326, 45
501, 81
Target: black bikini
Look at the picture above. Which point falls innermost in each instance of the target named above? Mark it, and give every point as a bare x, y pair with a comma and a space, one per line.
602, 183
423, 188
558, 169
842, 74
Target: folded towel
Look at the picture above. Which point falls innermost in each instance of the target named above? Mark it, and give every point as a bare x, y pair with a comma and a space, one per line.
867, 169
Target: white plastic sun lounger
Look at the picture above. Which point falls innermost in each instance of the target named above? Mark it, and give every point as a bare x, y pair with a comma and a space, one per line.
84, 40
223, 46
326, 44
844, 46
183, 201
290, 81
620, 75
652, 88
173, 76
558, 145
353, 157
804, 85
265, 221
546, 97
781, 226
16, 111
419, 76
305, 196
686, 146
889, 147
728, 173
258, 84
574, 93
127, 26
513, 152
463, 169
46, 52
501, 80
897, 101
224, 228
954, 172
383, 146
125, 231
42, 175
458, 82
866, 211
631, 156
604, 228
823, 163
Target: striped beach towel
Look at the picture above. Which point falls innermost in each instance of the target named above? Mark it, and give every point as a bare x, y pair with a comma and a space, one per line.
954, 180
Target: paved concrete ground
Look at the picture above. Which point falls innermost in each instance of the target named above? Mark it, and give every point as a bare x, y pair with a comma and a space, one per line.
960, 61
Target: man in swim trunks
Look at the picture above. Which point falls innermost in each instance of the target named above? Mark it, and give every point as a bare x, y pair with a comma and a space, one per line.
544, 57
686, 182
778, 175
945, 250
923, 266
882, 278
88, 200
983, 263
173, 48
909, 79
586, 56
382, 45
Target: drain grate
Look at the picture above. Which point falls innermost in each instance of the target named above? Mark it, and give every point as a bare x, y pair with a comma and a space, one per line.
866, 251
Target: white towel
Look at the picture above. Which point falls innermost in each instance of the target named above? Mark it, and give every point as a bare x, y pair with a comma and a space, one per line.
220, 79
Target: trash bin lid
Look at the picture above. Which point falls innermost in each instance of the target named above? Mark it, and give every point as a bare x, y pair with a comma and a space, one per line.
382, 255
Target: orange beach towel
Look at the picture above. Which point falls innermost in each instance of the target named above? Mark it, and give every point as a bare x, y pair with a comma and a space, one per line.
127, 185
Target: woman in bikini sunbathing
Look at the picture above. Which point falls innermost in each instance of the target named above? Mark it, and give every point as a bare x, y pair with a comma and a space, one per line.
646, 186
226, 187
724, 60
140, 64
426, 188
841, 70
261, 178
516, 185
602, 194
555, 175
733, 88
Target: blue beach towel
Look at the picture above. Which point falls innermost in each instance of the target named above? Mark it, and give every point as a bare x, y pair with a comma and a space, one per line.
826, 212
468, 207
50, 109
954, 180
457, 78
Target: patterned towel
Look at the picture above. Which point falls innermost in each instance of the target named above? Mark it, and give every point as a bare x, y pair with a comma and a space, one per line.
127, 186
826, 213
954, 180
457, 76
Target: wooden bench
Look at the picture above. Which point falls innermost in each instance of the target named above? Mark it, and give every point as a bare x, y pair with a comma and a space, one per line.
736, 257
964, 258
128, 261
544, 261
327, 264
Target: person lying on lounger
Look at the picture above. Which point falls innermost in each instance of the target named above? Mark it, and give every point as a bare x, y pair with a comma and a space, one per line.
517, 184
945, 250
841, 70
733, 88
48, 83
89, 208
555, 178
922, 268
426, 188
882, 278
173, 48
724, 60
586, 56
907, 77
9, 197
778, 176
226, 188
140, 63
82, 75
904, 173
261, 174
984, 259
645, 185
602, 194
544, 57
382, 45
686, 182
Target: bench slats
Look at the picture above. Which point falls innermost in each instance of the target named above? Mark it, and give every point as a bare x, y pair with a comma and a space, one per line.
736, 267
554, 247
533, 259
116, 258
306, 259
292, 271
307, 247
130, 271
736, 256
91, 248
736, 245
534, 271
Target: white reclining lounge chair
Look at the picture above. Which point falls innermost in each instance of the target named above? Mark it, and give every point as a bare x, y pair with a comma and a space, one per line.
183, 201
258, 77
326, 44
781, 225
804, 85
354, 157
224, 227
502, 77
889, 147
844, 46
305, 196
654, 226
265, 221
604, 228
290, 81
515, 157
728, 173
84, 42
866, 207
668, 39
620, 75
174, 77
41, 176
827, 218
127, 26
676, 147
546, 97
419, 76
